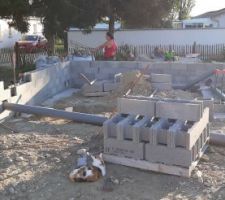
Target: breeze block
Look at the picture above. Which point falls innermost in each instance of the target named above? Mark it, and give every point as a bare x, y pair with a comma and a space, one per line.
167, 136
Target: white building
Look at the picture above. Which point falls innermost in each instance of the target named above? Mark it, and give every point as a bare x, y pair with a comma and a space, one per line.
8, 35
214, 19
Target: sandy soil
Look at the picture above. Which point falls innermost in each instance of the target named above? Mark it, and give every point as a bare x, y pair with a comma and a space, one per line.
34, 163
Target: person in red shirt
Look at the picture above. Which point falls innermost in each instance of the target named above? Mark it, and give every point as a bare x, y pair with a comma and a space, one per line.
110, 47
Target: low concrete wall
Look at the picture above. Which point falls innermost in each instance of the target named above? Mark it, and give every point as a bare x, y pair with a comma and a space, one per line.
182, 73
45, 83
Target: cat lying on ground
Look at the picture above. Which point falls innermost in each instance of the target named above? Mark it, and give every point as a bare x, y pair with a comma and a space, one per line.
89, 168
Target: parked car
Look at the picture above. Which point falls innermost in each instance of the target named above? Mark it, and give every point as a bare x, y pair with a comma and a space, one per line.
29, 43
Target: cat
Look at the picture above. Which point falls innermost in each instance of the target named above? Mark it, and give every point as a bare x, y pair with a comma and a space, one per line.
89, 172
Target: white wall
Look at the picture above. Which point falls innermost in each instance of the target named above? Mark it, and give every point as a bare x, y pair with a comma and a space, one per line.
8, 40
150, 37
221, 20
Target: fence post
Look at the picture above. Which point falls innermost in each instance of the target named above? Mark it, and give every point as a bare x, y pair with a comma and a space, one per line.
17, 55
194, 47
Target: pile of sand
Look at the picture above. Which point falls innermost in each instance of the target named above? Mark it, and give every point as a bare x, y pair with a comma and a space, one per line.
142, 87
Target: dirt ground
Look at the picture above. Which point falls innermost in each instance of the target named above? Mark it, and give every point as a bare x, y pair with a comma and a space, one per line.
34, 163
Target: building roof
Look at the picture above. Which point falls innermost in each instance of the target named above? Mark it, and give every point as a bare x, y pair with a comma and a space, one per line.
101, 26
211, 14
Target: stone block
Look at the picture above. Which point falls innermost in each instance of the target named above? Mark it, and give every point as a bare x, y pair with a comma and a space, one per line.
170, 156
179, 111
124, 148
162, 86
110, 126
161, 78
136, 107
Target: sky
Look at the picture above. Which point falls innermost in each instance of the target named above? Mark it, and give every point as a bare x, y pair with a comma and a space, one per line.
203, 6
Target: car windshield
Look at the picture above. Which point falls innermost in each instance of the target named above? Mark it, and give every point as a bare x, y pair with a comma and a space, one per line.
30, 38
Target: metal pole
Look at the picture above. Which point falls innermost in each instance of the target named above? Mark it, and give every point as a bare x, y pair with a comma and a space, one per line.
199, 79
74, 116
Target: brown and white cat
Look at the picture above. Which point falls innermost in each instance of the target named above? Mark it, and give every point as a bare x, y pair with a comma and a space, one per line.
91, 173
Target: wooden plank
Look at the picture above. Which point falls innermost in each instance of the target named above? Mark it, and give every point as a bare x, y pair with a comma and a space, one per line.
144, 165
155, 167
195, 132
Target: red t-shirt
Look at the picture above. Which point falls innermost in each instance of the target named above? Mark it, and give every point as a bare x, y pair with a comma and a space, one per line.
110, 52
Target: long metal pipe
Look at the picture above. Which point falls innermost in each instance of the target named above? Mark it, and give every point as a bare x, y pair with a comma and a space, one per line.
74, 116
194, 82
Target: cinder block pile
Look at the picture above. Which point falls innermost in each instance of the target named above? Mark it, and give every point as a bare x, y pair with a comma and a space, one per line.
166, 136
98, 88
161, 81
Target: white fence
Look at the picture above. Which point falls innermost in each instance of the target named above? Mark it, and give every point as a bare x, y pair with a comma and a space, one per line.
209, 42
151, 37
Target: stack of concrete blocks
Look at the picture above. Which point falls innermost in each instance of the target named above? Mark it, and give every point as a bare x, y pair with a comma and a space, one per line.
166, 136
161, 81
98, 88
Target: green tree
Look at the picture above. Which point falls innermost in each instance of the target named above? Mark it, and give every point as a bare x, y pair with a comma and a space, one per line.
136, 13
17, 12
183, 8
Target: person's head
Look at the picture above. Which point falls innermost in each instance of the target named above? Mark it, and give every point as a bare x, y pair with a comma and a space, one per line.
109, 36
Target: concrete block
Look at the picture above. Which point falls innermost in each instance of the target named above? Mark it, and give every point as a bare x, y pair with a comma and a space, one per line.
110, 126
138, 130
121, 127
136, 107
219, 108
170, 156
147, 131
124, 148
161, 78
107, 87
162, 86
179, 111
174, 134
133, 129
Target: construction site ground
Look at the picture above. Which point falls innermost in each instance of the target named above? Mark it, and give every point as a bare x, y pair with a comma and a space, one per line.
36, 161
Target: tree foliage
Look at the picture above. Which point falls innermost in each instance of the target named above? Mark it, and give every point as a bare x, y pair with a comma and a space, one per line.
58, 15
17, 12
183, 8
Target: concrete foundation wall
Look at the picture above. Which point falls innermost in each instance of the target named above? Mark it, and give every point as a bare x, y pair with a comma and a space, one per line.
182, 73
45, 83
